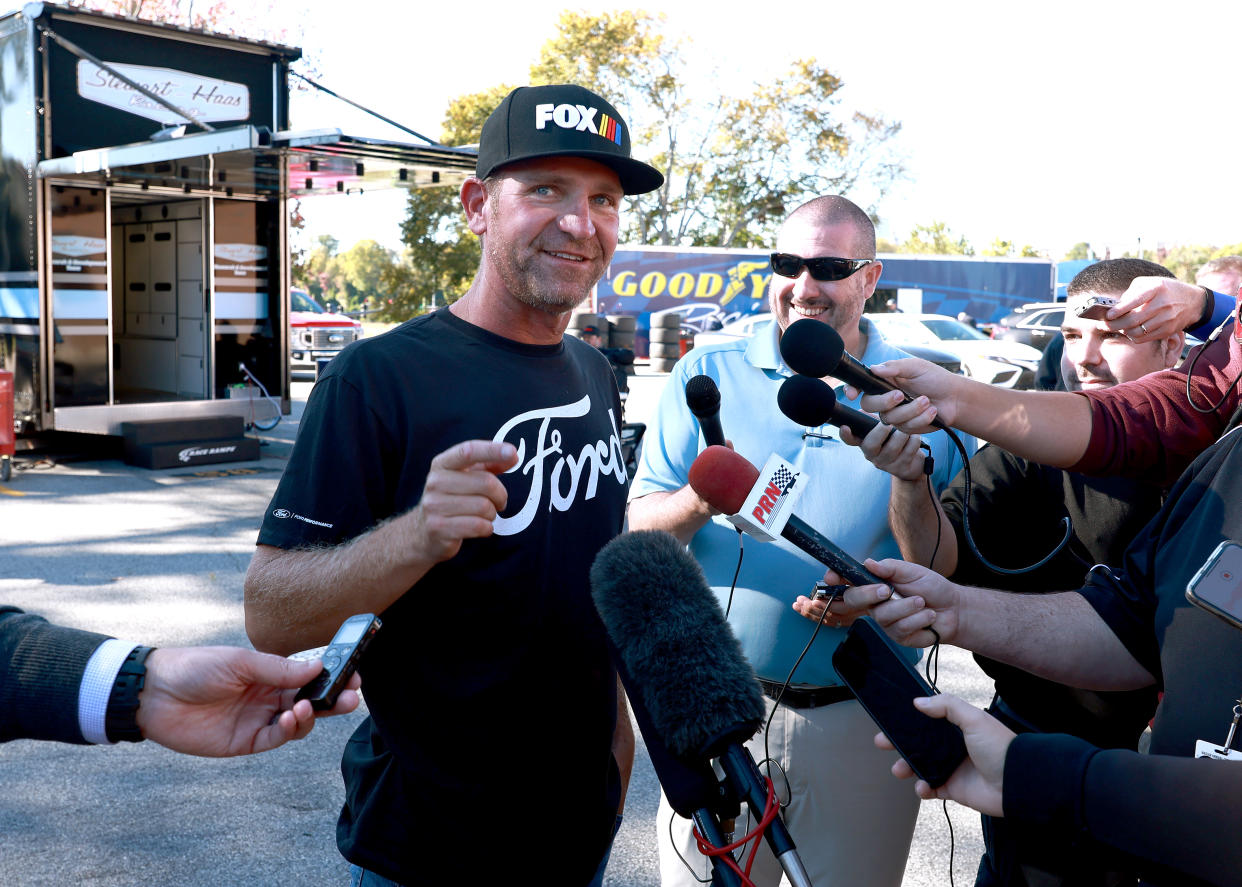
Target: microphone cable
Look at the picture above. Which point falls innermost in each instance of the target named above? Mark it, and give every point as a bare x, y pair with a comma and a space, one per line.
969, 535
931, 670
736, 572
1194, 360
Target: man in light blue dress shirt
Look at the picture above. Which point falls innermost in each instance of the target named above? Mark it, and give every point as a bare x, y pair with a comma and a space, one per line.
850, 823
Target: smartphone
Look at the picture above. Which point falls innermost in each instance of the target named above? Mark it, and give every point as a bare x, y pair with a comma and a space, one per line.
340, 659
886, 683
1217, 587
1095, 307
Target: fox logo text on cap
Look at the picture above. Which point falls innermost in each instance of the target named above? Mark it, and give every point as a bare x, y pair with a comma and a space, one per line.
563, 120
579, 118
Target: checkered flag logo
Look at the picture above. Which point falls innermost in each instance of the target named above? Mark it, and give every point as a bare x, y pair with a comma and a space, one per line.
783, 478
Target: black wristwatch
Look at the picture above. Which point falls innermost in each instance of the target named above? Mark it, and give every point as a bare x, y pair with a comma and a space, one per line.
121, 721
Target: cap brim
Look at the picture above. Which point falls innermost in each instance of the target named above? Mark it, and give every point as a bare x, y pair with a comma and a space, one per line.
636, 177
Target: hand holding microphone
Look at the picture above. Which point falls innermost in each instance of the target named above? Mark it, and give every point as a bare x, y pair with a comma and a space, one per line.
811, 402
815, 349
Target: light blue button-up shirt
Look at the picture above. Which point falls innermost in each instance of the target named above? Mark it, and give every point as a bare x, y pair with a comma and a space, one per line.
845, 499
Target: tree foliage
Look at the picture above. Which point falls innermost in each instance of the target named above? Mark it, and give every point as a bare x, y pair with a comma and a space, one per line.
734, 165
1186, 259
936, 239
357, 279
256, 20
1079, 251
1002, 247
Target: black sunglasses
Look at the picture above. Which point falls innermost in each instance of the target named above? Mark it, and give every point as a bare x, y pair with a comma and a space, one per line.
822, 268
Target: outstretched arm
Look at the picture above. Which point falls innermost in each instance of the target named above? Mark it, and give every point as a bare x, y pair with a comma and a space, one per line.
296, 599
1052, 427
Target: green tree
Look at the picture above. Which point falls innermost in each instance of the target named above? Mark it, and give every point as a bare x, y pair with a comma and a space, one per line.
1080, 250
1185, 260
440, 259
317, 271
441, 254
363, 269
733, 165
1002, 247
936, 239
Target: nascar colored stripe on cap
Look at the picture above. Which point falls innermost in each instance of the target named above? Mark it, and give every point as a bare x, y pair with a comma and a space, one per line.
562, 120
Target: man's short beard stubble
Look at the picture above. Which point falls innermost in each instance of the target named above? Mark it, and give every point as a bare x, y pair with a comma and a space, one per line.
525, 285
529, 288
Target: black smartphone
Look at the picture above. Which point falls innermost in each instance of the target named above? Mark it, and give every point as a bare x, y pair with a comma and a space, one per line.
1217, 586
1095, 307
886, 683
340, 659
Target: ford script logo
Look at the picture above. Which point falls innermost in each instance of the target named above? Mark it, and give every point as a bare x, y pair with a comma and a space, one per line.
282, 512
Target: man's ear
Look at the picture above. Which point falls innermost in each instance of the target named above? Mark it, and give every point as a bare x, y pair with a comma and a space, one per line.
1173, 346
474, 202
873, 272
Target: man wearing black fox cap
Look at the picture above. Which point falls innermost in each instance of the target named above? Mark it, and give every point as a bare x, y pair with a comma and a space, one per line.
458, 475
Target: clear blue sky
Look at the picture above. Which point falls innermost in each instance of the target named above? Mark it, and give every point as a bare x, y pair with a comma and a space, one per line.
1044, 123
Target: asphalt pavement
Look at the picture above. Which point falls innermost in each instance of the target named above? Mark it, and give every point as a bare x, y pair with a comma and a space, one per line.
159, 557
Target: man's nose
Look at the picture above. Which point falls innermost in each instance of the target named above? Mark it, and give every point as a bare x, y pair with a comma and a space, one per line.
804, 283
576, 220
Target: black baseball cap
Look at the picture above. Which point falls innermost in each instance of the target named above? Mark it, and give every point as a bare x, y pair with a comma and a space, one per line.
562, 120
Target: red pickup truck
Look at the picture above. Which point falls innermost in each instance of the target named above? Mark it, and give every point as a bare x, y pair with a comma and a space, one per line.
316, 333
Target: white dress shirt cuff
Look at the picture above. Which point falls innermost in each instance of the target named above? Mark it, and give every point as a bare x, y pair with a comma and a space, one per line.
97, 681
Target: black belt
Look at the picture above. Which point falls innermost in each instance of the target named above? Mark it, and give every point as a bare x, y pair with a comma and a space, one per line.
805, 697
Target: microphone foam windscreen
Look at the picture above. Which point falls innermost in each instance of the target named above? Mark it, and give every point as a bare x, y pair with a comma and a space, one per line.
677, 649
722, 478
811, 348
806, 401
702, 396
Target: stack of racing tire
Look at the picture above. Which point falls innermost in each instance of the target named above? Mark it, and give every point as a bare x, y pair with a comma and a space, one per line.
665, 347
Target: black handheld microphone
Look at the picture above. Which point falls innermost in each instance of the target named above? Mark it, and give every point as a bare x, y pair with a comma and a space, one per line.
683, 668
812, 402
725, 480
815, 349
703, 399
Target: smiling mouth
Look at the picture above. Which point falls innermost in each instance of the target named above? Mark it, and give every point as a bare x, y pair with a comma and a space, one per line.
807, 310
567, 256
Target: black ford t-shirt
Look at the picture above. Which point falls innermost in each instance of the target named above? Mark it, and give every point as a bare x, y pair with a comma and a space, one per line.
491, 695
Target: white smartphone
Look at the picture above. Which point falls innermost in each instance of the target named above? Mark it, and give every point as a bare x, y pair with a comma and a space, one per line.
1095, 307
1217, 586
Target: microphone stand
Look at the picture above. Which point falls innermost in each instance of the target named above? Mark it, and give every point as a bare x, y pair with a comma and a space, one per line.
747, 781
709, 828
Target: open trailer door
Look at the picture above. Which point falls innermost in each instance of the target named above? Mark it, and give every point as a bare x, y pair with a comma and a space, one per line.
144, 270
169, 263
